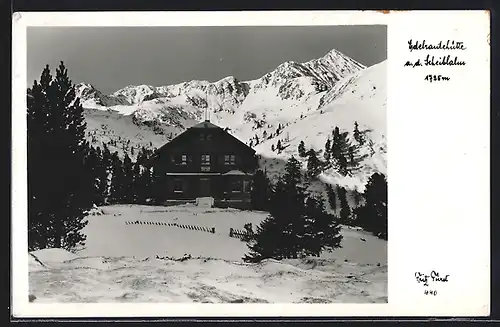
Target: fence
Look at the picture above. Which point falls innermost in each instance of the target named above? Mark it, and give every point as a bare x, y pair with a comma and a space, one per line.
239, 233
167, 224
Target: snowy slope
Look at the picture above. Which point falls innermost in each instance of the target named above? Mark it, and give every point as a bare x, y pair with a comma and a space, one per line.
309, 99
362, 98
140, 263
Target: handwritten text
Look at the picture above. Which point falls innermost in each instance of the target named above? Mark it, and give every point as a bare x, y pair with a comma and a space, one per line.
432, 60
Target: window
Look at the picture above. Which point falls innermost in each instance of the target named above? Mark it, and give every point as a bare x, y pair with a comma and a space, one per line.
205, 137
236, 186
229, 159
178, 186
205, 159
181, 159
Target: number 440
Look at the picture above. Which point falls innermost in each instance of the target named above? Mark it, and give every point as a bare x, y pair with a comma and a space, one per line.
430, 292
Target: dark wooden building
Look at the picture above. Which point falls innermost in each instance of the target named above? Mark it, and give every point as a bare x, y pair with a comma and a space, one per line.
205, 161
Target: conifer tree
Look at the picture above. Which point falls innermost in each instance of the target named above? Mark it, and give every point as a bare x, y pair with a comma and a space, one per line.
345, 209
357, 134
128, 180
157, 182
313, 164
302, 149
325, 227
342, 154
272, 147
57, 153
278, 146
117, 189
332, 199
261, 191
297, 224
138, 188
357, 197
105, 181
285, 222
327, 154
93, 162
372, 216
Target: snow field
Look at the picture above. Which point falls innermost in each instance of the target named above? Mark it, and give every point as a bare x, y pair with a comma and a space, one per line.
140, 263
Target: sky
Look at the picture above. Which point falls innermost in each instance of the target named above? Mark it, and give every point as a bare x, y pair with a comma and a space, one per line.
111, 58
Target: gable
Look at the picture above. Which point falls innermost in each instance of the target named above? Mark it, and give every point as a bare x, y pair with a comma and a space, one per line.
191, 138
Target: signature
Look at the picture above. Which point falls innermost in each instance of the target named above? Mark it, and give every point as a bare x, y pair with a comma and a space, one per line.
434, 276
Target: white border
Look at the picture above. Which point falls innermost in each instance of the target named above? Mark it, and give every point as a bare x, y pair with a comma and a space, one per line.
438, 163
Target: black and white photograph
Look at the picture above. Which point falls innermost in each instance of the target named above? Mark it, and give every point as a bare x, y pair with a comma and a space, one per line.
219, 164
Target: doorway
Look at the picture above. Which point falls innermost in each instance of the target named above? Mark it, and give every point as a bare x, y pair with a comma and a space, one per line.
204, 187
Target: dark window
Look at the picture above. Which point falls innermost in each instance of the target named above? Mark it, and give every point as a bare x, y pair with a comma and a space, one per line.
229, 159
205, 159
205, 137
236, 186
178, 185
181, 159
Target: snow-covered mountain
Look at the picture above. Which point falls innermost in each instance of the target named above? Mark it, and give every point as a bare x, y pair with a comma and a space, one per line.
306, 99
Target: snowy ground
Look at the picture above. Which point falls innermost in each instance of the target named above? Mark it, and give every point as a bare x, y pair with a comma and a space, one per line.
132, 255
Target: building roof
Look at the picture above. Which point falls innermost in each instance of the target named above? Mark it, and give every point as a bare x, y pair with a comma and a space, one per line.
205, 124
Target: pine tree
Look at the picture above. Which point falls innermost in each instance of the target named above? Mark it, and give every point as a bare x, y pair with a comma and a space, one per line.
93, 163
261, 191
343, 147
128, 180
327, 155
357, 134
138, 197
57, 152
297, 224
325, 227
106, 173
101, 176
279, 235
117, 190
345, 209
313, 164
357, 197
272, 147
278, 146
332, 199
372, 216
302, 149
266, 242
157, 182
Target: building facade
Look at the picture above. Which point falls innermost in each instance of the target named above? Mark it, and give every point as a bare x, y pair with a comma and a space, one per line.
205, 161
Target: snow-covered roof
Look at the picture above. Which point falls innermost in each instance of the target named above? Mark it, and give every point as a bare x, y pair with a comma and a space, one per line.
205, 124
235, 173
